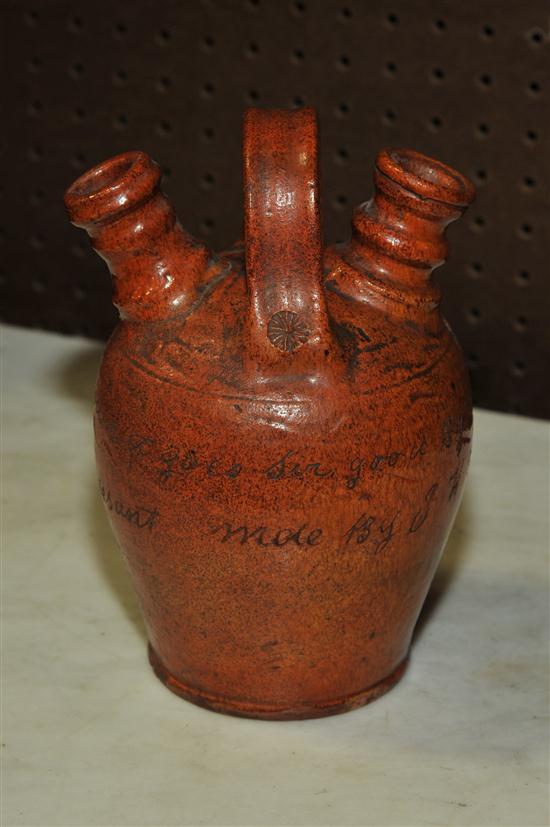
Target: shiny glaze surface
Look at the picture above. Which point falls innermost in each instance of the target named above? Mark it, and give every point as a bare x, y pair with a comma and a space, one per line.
282, 431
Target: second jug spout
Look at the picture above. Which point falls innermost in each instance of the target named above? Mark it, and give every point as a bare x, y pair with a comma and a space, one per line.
398, 237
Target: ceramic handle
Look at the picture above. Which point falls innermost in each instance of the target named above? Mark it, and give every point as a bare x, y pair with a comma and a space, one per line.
283, 234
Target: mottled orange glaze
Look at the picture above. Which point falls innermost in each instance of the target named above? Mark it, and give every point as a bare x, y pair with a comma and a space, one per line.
282, 431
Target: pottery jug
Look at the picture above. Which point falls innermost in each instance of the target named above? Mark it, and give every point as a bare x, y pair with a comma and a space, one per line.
282, 430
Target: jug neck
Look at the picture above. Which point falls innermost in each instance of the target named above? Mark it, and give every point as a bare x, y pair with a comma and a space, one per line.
398, 237
133, 227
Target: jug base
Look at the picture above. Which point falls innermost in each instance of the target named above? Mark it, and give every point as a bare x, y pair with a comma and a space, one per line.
245, 709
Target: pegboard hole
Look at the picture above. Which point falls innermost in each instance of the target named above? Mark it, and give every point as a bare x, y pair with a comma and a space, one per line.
342, 155
164, 84
478, 223
35, 153
163, 37
344, 62
208, 133
76, 70
78, 160
120, 122
252, 96
439, 25
472, 360
484, 81
475, 269
120, 77
342, 110
481, 176
392, 20
523, 278
474, 315
534, 88
75, 25
38, 284
482, 130
299, 8
389, 117
536, 37
297, 102
208, 89
207, 226
164, 129
518, 369
36, 198
79, 249
435, 123
79, 114
38, 242
208, 43
520, 324
526, 230
34, 64
298, 56
34, 109
531, 137
207, 181
528, 183
437, 75
121, 29
31, 17
340, 202
390, 69
252, 50
488, 31
346, 13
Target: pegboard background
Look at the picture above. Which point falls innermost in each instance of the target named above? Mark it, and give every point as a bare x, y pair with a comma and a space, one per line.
466, 82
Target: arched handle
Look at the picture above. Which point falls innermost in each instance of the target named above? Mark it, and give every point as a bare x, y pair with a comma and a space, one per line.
283, 235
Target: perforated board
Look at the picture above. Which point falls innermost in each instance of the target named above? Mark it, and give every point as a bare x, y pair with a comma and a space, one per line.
466, 82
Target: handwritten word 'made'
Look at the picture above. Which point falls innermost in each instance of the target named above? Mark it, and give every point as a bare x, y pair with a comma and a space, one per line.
263, 536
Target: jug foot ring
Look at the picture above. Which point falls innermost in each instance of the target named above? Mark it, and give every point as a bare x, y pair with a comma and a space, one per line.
244, 709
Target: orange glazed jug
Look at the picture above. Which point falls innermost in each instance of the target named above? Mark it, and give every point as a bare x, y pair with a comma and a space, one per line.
282, 430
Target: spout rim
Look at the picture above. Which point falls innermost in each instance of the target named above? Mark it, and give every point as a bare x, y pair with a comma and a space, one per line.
112, 188
426, 177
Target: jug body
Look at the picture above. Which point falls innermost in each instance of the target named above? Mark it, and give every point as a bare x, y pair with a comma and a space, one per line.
282, 435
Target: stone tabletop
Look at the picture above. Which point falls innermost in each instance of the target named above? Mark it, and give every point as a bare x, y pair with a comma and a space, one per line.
90, 738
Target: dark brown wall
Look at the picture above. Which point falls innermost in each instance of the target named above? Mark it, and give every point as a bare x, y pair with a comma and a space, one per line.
464, 81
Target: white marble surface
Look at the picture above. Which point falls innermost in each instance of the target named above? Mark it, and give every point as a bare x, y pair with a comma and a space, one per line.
90, 736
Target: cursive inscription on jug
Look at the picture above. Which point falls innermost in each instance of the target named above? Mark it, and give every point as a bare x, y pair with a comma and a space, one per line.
380, 533
177, 463
174, 463
286, 467
421, 516
264, 536
138, 516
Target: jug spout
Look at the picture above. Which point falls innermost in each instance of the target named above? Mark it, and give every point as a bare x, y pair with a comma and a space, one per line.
399, 235
155, 264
